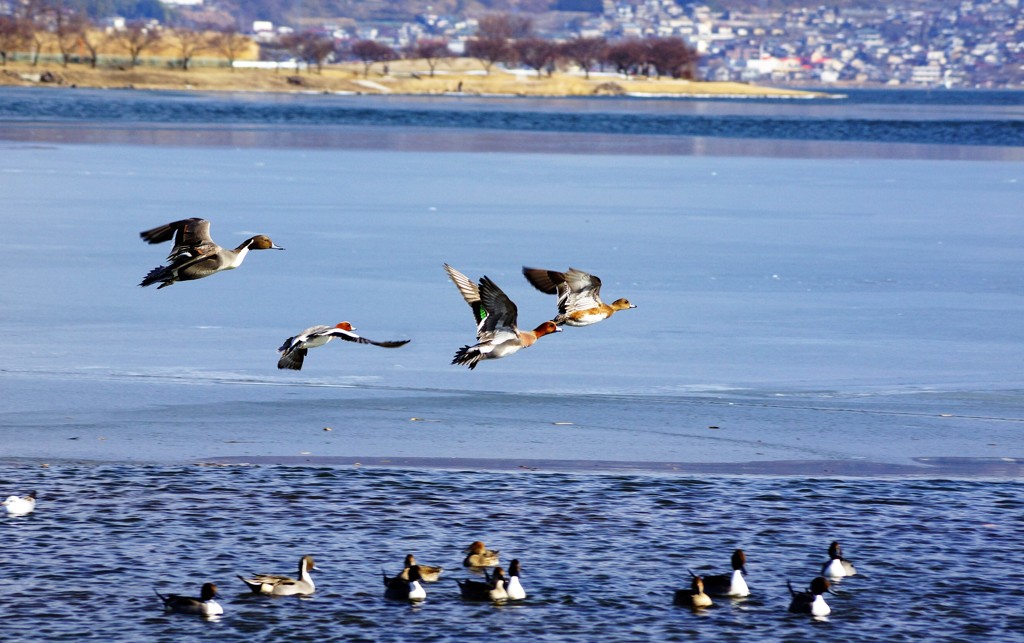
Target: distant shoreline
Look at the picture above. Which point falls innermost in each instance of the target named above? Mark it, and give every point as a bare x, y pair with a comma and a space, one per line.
409, 78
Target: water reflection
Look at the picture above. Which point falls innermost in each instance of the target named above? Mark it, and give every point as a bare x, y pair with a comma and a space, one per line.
413, 139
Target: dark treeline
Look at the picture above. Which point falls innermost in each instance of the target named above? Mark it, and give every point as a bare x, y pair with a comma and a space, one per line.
500, 39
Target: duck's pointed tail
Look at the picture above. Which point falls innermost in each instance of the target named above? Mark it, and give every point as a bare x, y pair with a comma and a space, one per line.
467, 356
156, 275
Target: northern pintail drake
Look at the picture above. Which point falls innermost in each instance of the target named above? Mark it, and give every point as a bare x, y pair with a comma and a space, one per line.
495, 316
194, 254
731, 584
477, 555
406, 586
20, 505
810, 601
205, 605
284, 585
493, 589
694, 598
579, 295
837, 566
512, 586
293, 350
428, 574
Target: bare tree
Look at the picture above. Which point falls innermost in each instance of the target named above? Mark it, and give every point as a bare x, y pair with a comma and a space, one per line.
309, 47
494, 36
231, 44
432, 52
627, 56
13, 36
188, 42
535, 53
671, 57
585, 52
68, 30
137, 38
92, 39
369, 52
488, 51
318, 48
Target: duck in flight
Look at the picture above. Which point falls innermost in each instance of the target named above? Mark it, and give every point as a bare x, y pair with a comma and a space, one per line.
194, 254
579, 295
495, 316
293, 350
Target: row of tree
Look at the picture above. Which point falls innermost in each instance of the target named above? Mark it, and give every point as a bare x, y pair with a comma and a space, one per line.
74, 36
506, 39
509, 39
650, 57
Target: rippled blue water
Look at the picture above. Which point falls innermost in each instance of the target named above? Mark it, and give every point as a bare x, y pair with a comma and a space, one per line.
960, 118
602, 554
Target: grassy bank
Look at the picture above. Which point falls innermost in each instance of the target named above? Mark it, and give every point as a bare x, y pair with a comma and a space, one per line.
401, 77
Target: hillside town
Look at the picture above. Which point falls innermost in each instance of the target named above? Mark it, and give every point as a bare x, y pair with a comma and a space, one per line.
973, 43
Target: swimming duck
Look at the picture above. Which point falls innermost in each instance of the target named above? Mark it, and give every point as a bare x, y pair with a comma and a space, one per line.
293, 350
20, 505
428, 574
512, 586
205, 605
284, 585
477, 555
495, 316
810, 601
837, 566
194, 254
731, 584
493, 589
406, 586
694, 597
579, 301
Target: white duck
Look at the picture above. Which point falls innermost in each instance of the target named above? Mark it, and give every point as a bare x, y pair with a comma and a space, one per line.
20, 505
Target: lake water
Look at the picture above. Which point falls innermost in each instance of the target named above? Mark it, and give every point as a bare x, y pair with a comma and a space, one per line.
827, 345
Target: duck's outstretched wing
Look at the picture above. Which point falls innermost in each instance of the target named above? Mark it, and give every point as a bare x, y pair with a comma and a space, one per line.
543, 280
471, 293
502, 314
576, 290
349, 336
191, 238
194, 231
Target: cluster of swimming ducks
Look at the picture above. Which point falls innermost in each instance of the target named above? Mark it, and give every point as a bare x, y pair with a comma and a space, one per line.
406, 586
195, 255
732, 585
498, 585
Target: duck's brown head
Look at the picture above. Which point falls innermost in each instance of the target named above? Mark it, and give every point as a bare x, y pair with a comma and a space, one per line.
547, 328
261, 242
